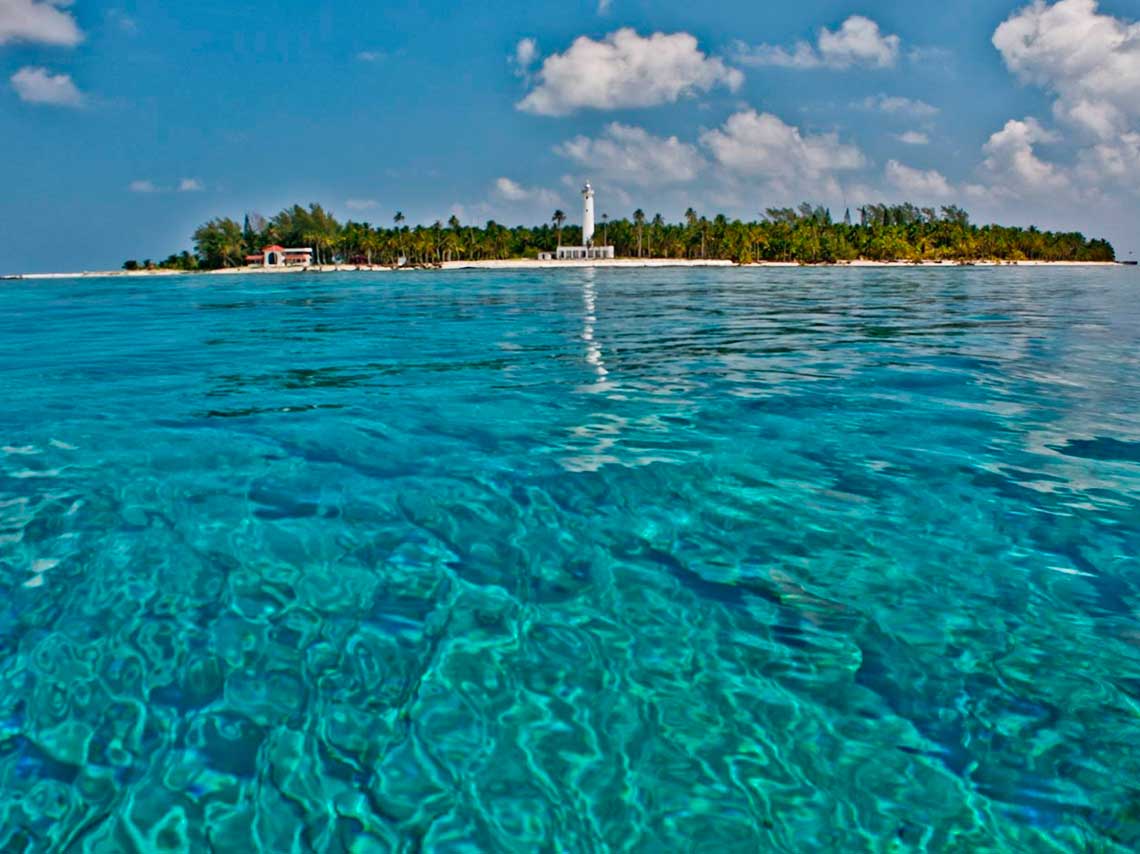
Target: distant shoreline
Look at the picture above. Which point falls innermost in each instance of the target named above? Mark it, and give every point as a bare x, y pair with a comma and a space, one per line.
529, 264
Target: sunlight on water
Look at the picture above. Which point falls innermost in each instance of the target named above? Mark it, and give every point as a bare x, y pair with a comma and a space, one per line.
716, 560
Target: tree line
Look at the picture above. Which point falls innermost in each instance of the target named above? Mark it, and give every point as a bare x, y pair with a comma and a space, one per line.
807, 234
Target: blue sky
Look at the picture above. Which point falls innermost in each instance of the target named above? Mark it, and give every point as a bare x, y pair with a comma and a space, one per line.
125, 124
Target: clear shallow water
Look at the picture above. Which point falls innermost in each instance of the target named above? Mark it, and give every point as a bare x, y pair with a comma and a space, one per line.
707, 560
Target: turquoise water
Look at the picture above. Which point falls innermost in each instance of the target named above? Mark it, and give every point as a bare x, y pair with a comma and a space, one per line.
703, 560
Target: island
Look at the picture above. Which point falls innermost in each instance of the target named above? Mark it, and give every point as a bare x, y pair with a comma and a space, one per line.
808, 234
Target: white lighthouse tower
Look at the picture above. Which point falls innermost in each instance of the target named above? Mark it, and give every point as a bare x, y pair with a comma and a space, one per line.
588, 215
587, 251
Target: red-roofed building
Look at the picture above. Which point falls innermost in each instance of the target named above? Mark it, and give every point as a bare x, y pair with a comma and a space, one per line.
279, 256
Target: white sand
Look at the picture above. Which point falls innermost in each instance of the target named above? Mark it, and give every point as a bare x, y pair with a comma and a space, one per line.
534, 264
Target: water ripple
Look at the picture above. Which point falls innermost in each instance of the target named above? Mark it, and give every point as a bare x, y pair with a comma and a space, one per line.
724, 560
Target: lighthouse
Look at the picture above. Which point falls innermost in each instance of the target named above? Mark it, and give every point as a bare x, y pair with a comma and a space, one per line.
588, 215
588, 251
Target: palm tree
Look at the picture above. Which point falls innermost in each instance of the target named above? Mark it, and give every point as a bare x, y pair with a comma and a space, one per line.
372, 243
399, 219
220, 242
558, 218
691, 220
437, 234
328, 230
455, 244
639, 221
658, 223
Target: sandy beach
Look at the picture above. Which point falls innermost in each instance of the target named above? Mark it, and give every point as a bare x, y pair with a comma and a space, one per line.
534, 264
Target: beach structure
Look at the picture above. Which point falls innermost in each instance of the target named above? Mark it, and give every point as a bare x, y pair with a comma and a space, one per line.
587, 251
279, 256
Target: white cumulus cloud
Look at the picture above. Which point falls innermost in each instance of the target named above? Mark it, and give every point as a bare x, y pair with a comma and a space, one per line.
40, 86
38, 22
918, 184
762, 145
142, 186
1090, 63
1013, 166
1088, 60
914, 137
631, 155
858, 42
626, 70
1117, 161
190, 185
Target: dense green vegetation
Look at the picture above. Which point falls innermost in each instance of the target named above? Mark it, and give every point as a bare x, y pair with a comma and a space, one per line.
805, 234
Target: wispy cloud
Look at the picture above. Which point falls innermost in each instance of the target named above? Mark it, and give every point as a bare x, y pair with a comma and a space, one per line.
362, 204
914, 137
526, 52
857, 42
940, 57
142, 186
123, 22
512, 191
898, 106
190, 185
